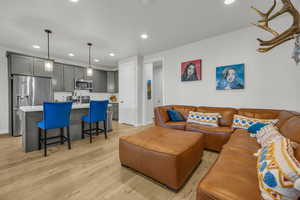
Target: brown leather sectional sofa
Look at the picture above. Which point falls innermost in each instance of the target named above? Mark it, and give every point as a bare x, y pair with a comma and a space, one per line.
234, 175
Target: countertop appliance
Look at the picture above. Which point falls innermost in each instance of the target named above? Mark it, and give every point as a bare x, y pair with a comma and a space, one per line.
28, 91
82, 84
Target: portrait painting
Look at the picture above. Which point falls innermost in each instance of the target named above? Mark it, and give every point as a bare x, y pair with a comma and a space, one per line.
191, 70
230, 77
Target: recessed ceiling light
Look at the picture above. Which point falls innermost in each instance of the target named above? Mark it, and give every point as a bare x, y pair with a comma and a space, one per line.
71, 54
74, 1
112, 54
96, 60
36, 46
144, 36
228, 2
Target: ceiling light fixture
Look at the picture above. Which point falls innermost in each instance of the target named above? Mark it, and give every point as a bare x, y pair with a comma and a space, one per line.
144, 36
96, 60
74, 1
89, 71
48, 63
71, 54
228, 2
36, 46
112, 54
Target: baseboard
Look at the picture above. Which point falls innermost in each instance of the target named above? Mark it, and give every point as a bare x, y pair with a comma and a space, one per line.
3, 131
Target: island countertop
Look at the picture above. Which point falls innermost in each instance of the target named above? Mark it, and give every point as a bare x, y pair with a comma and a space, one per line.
40, 108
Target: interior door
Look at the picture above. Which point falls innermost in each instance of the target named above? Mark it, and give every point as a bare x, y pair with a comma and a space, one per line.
127, 93
157, 86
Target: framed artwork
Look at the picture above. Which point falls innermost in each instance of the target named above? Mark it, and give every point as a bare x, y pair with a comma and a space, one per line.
191, 70
230, 77
149, 90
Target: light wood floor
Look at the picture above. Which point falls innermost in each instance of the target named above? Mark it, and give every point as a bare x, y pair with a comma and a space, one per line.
87, 172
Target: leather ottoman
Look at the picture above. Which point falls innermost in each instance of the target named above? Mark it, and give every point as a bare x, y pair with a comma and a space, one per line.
168, 156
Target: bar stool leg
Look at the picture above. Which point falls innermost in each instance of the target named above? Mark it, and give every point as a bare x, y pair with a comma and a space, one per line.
105, 131
62, 136
40, 132
97, 128
45, 143
90, 131
68, 135
82, 129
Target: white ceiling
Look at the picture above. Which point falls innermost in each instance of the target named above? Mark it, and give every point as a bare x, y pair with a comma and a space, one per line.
115, 25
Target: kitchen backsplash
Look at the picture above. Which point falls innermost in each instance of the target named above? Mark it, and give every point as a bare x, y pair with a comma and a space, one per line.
61, 96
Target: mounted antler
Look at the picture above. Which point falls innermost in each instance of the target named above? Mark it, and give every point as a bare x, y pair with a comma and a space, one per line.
286, 35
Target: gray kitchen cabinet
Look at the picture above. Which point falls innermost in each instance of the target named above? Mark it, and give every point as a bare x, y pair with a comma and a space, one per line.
115, 110
110, 82
116, 81
22, 65
69, 78
58, 77
99, 81
39, 68
79, 73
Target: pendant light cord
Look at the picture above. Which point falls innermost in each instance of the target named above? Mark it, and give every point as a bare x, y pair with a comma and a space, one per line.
90, 47
48, 38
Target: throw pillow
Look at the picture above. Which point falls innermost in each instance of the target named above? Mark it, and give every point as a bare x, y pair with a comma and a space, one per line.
175, 116
278, 171
208, 119
243, 122
255, 128
267, 134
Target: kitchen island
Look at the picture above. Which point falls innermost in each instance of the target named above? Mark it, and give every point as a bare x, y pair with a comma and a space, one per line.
31, 115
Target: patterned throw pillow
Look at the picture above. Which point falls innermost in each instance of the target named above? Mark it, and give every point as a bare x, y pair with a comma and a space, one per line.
208, 119
243, 122
278, 171
267, 134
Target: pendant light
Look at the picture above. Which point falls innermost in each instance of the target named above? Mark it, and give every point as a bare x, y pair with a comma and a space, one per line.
48, 65
89, 71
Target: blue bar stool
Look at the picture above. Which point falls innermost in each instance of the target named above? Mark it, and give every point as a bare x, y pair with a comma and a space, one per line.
56, 115
97, 113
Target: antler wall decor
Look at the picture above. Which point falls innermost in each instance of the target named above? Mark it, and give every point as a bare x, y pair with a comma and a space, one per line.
289, 34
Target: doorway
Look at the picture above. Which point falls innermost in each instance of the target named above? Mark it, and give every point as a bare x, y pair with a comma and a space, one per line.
153, 89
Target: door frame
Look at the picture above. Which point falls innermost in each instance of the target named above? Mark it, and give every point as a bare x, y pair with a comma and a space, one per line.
151, 61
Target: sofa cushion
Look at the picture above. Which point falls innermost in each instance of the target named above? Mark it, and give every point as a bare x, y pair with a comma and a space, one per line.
161, 114
267, 134
215, 137
291, 129
240, 140
184, 110
259, 113
227, 114
284, 116
233, 177
175, 125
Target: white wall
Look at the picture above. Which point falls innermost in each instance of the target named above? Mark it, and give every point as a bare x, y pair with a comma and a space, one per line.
3, 92
272, 79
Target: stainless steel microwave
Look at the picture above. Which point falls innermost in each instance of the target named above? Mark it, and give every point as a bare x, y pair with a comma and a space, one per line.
83, 84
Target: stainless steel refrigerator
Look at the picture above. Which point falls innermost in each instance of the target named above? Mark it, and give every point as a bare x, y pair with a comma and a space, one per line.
28, 91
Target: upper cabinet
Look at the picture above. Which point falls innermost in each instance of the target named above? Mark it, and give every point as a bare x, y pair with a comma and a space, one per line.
39, 68
79, 73
22, 65
99, 81
116, 81
58, 77
63, 75
112, 82
69, 78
